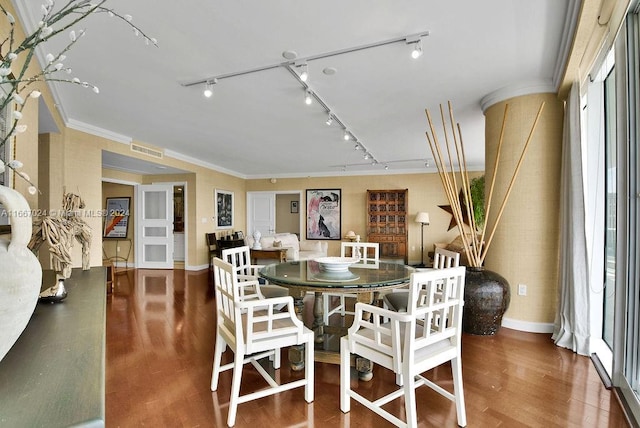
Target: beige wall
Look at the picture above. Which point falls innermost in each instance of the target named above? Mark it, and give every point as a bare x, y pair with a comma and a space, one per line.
525, 247
425, 194
286, 221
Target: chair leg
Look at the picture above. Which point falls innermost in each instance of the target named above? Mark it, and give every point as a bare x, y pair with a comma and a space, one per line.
410, 399
345, 378
235, 389
342, 305
217, 358
276, 358
309, 371
458, 391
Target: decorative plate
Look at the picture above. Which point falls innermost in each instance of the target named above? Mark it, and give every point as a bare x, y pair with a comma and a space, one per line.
336, 264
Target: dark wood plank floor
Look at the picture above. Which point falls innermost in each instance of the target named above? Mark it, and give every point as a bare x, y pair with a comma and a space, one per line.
160, 337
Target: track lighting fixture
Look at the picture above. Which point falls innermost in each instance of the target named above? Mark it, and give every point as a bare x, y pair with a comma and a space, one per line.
304, 72
329, 120
298, 67
417, 49
208, 88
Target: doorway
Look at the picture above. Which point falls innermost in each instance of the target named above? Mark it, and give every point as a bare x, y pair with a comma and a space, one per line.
274, 212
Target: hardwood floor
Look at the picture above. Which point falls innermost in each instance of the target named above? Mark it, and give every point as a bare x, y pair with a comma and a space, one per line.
160, 334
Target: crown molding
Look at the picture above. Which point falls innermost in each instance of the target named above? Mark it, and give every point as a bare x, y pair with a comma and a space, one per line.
539, 87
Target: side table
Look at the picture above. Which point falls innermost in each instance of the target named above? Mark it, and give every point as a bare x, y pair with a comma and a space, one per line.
269, 253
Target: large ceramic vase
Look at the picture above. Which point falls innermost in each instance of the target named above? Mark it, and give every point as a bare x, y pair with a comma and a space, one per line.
486, 299
20, 271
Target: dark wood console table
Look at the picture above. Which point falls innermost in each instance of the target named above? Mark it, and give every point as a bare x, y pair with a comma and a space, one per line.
53, 376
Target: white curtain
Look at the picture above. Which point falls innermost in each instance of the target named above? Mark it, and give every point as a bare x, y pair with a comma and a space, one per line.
571, 329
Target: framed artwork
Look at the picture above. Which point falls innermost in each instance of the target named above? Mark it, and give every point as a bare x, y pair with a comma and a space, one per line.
324, 213
224, 209
117, 217
294, 207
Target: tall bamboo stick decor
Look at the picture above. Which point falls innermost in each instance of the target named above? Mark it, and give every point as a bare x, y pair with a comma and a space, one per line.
474, 242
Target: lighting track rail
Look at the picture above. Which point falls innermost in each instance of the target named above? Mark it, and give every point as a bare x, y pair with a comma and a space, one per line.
414, 40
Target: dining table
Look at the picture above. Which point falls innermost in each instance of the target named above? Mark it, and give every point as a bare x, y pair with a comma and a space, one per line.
305, 276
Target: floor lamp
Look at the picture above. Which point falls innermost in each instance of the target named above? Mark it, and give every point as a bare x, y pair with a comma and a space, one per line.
422, 218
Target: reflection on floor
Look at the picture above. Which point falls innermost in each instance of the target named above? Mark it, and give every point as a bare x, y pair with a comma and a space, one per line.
160, 334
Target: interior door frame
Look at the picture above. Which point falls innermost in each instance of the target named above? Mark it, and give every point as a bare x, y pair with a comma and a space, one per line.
300, 194
139, 244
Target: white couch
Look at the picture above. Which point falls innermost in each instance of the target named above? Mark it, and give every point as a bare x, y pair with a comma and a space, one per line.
296, 250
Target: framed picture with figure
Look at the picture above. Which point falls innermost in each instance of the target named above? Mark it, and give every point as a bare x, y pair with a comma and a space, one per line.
224, 209
324, 214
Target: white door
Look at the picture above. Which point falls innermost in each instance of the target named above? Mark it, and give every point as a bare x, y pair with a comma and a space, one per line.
154, 226
261, 213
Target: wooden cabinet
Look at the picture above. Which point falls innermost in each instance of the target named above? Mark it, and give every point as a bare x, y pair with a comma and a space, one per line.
387, 222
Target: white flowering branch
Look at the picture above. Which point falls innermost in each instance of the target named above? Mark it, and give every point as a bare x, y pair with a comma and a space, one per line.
52, 23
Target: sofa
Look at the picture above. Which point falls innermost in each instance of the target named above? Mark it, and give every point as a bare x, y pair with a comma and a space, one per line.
296, 249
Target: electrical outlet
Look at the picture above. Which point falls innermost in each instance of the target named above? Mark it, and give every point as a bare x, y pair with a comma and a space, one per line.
522, 290
413, 248
118, 248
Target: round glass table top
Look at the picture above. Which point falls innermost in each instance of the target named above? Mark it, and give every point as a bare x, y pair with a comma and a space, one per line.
307, 273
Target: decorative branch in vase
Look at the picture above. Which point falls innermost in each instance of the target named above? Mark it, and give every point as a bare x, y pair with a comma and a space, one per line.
16, 82
483, 314
21, 277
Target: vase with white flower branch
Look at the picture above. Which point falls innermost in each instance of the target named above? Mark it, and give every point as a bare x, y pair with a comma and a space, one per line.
483, 307
16, 82
21, 277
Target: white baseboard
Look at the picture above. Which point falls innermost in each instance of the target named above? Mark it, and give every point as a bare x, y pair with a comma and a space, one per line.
531, 327
197, 267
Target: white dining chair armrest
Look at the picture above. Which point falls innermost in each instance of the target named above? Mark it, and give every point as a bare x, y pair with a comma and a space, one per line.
250, 288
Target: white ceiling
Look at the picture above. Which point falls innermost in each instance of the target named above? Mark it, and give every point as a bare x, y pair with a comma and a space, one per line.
257, 125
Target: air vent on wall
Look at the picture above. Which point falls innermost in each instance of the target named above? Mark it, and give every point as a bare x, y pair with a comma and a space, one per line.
146, 151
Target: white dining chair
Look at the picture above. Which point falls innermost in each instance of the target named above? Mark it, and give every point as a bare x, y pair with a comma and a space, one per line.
240, 258
369, 257
397, 300
255, 329
426, 336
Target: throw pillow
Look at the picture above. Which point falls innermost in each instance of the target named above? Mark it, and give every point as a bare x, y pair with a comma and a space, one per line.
277, 244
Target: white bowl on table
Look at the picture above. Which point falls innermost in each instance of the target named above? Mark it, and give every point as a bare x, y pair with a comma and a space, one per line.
336, 264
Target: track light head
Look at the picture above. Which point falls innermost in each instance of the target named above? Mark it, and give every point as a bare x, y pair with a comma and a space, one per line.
308, 99
417, 50
208, 88
329, 120
304, 75
346, 135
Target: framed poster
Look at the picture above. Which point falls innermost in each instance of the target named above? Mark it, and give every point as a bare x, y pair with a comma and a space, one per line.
224, 209
117, 217
323, 213
294, 207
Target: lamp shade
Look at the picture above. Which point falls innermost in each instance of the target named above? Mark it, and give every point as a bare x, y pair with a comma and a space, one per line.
422, 217
350, 234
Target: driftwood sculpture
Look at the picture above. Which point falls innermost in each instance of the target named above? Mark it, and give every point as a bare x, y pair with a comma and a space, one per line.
59, 232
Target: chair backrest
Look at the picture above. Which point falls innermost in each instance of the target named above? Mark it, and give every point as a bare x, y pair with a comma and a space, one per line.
369, 252
445, 259
254, 324
436, 298
226, 281
212, 242
433, 317
240, 258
